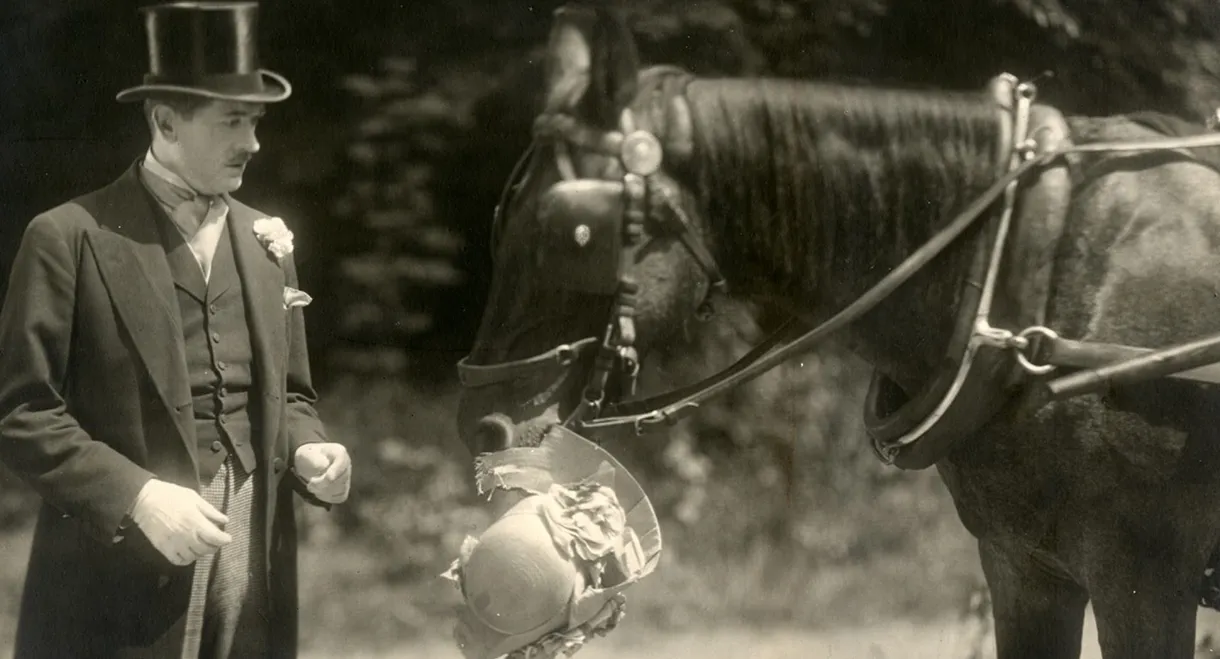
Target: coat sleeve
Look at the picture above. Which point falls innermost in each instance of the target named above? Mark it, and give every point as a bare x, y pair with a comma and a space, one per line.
39, 438
303, 425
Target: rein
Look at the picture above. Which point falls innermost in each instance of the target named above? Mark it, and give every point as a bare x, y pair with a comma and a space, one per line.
639, 153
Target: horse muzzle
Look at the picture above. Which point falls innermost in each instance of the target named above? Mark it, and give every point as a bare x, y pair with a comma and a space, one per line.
494, 432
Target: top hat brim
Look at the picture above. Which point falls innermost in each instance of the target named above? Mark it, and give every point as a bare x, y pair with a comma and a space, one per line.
275, 88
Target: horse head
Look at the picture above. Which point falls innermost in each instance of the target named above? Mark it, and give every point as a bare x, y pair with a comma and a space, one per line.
597, 254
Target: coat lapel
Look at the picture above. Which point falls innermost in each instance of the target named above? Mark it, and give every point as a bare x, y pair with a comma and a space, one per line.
262, 281
131, 260
184, 268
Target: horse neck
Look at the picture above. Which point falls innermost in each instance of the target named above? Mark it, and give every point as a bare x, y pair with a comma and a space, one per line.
813, 194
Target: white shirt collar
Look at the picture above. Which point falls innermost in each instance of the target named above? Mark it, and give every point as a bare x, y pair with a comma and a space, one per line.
154, 166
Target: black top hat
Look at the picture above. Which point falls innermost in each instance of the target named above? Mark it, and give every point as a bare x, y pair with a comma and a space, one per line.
206, 49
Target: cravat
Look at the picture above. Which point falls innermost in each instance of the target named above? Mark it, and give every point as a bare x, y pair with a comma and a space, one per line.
199, 218
201, 221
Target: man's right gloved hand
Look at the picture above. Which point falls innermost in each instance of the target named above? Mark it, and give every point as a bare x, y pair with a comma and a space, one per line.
178, 522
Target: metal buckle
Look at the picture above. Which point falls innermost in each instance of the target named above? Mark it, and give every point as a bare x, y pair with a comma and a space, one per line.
1046, 332
667, 416
1019, 343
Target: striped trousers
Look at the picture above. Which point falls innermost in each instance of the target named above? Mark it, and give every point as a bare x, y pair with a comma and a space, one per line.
227, 615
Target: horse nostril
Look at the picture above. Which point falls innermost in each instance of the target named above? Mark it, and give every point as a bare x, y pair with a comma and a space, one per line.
494, 432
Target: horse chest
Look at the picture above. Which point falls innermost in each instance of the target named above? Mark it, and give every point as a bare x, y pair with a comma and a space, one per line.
1139, 459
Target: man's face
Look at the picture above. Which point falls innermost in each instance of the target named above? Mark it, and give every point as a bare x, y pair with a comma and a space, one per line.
215, 143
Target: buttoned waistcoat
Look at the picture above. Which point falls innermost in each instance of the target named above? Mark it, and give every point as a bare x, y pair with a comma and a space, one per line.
219, 353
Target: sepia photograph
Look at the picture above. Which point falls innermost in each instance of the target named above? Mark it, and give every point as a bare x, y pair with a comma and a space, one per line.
610, 329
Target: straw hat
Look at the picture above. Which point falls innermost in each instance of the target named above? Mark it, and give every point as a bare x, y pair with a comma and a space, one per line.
551, 571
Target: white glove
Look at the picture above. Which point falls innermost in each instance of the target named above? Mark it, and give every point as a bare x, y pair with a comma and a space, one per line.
326, 470
178, 522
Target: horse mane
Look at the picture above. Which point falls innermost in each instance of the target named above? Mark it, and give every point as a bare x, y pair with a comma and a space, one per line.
784, 168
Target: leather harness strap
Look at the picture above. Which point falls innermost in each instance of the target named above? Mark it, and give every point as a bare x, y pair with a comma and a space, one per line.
476, 375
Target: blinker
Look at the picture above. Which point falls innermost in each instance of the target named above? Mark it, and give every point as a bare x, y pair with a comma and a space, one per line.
581, 235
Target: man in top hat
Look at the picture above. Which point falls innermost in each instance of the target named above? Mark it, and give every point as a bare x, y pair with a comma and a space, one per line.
154, 380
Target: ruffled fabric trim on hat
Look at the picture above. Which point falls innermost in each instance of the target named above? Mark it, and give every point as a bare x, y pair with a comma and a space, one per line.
566, 642
565, 457
589, 528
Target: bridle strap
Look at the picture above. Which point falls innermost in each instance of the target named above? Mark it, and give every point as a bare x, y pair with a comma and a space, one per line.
686, 234
506, 194
628, 412
566, 127
475, 375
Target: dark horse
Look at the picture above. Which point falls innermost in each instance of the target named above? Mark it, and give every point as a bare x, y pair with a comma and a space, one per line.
805, 196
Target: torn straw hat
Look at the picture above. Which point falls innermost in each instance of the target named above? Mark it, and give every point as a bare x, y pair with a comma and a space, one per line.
550, 572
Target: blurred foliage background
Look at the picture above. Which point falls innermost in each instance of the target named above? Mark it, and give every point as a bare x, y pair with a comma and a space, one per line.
387, 161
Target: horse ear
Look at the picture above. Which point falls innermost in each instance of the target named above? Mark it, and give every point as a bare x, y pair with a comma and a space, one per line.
592, 64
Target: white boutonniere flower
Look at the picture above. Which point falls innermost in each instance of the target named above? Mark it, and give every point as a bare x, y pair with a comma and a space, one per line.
274, 235
295, 298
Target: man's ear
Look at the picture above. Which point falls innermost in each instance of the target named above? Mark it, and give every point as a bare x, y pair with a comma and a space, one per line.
162, 119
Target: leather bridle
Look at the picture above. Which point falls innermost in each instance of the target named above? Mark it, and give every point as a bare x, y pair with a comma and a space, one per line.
644, 196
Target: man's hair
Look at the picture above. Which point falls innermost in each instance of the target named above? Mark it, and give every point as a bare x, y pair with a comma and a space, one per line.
185, 105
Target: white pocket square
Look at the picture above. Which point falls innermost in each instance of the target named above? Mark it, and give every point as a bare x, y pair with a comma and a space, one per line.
295, 298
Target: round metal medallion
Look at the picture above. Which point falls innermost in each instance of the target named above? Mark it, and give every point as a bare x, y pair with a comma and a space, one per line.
582, 234
641, 153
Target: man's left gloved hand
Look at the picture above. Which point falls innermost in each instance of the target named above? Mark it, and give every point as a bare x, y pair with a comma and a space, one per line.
326, 470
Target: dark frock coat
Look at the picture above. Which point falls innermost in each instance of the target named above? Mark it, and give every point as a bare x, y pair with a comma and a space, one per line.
95, 400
